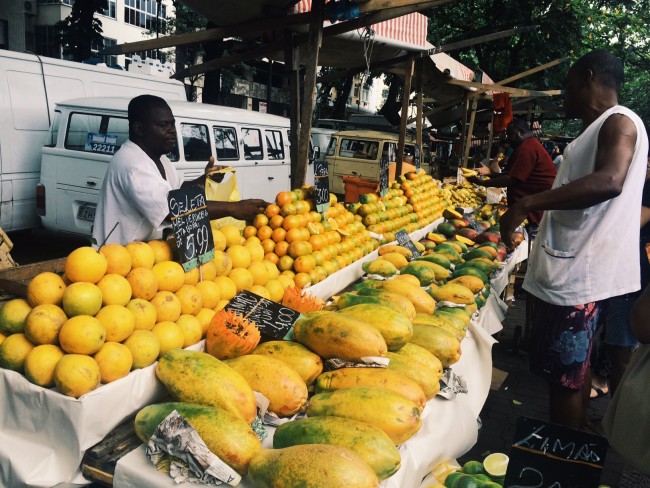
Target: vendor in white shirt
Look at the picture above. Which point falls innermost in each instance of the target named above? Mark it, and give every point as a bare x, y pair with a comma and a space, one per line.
140, 176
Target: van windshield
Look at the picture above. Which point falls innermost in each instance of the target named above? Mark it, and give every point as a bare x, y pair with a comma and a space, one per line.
359, 149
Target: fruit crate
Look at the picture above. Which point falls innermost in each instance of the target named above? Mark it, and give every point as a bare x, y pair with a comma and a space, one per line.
6, 261
14, 280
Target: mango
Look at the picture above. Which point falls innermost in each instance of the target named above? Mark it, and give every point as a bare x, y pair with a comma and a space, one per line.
394, 327
304, 362
442, 344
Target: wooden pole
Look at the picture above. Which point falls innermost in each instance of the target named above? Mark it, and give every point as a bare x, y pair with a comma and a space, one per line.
418, 103
470, 131
490, 137
463, 130
292, 67
313, 47
408, 75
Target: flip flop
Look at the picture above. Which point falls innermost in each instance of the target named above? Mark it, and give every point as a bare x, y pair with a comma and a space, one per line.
598, 392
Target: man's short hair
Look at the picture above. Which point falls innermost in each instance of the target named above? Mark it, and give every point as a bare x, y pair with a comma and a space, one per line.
607, 68
140, 106
520, 125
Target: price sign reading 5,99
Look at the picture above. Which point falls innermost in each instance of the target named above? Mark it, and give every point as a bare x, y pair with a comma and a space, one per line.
417, 157
383, 176
191, 225
321, 185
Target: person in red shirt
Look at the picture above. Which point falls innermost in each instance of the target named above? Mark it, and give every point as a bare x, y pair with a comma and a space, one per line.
530, 169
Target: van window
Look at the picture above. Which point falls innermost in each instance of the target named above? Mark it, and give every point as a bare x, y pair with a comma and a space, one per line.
331, 147
53, 136
225, 143
359, 149
96, 133
390, 148
196, 144
252, 141
274, 146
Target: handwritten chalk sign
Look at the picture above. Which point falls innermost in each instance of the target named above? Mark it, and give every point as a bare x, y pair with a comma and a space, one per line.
417, 157
272, 319
404, 240
191, 225
551, 455
321, 185
383, 176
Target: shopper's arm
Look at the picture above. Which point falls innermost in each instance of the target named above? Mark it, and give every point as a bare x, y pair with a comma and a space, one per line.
616, 142
499, 181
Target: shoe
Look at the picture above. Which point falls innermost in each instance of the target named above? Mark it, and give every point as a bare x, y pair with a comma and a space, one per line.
598, 392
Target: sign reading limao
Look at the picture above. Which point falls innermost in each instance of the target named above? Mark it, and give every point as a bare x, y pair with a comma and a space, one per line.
417, 157
404, 240
321, 186
551, 455
272, 319
101, 143
383, 175
191, 225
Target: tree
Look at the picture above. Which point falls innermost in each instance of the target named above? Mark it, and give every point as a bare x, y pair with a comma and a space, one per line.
80, 30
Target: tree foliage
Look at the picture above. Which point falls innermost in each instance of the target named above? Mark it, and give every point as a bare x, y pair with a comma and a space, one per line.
81, 30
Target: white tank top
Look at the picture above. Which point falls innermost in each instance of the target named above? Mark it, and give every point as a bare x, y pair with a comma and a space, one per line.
586, 255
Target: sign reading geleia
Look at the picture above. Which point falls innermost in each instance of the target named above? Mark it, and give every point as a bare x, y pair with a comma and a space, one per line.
191, 224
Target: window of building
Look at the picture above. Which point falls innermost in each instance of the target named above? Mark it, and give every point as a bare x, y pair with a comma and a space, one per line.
252, 140
111, 11
142, 13
4, 34
225, 143
64, 2
108, 59
46, 43
274, 146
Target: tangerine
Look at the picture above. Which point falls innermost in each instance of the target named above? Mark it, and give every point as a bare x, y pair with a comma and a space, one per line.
264, 232
276, 221
272, 210
249, 231
283, 197
302, 280
304, 264
260, 220
281, 248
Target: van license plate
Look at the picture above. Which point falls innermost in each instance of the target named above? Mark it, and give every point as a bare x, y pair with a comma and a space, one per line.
86, 212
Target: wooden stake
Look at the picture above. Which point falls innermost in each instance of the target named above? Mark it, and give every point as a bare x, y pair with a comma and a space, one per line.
408, 75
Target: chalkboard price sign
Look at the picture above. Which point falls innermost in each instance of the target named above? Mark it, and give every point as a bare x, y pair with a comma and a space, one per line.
404, 240
551, 455
191, 225
474, 225
272, 319
417, 157
383, 176
321, 185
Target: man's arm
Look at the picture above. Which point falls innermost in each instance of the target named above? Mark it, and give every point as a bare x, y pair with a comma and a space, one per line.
243, 210
616, 142
645, 216
499, 181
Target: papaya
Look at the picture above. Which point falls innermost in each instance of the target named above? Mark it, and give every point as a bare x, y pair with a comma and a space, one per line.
457, 312
440, 272
349, 299
421, 358
370, 443
197, 377
446, 229
476, 253
224, 433
424, 274
294, 467
427, 376
489, 249
458, 243
452, 319
438, 321
384, 377
380, 267
396, 248
450, 213
450, 253
395, 301
408, 278
285, 389
333, 335
395, 327
485, 267
471, 282
419, 246
471, 271
440, 259
449, 245
471, 308
304, 362
455, 293
436, 237
393, 413
396, 259
441, 343
421, 301
480, 301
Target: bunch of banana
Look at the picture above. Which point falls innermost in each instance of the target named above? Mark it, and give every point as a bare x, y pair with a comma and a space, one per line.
466, 172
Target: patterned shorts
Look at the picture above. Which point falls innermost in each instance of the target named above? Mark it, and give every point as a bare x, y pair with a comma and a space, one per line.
561, 339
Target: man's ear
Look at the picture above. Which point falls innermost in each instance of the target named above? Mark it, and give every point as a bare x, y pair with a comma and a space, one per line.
137, 128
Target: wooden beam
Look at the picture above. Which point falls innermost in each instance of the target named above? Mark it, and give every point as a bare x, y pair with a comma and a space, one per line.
307, 110
406, 94
418, 104
506, 89
452, 46
293, 74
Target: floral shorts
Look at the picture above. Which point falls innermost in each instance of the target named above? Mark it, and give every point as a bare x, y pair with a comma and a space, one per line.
561, 339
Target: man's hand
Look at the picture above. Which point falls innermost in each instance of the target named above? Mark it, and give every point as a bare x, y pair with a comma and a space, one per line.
248, 209
475, 180
512, 219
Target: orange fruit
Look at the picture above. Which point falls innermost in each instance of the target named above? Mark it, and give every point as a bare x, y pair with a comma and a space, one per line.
115, 289
283, 197
220, 241
142, 255
162, 250
260, 291
227, 287
118, 321
82, 334
169, 334
207, 271
304, 264
117, 258
221, 305
47, 287
279, 234
249, 231
115, 361
14, 351
191, 328
260, 273
299, 248
205, 317
290, 222
286, 281
256, 251
285, 263
276, 221
240, 256
85, 264
268, 245
192, 276
318, 242
271, 257
76, 374
232, 234
272, 210
294, 235
302, 280
144, 346
144, 283
143, 312
260, 220
190, 298
43, 323
275, 290
287, 209
242, 278
281, 248
319, 257
168, 306
210, 293
40, 363
13, 314
264, 232
222, 263
82, 299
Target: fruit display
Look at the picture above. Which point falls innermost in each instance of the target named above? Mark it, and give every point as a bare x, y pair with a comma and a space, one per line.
463, 194
489, 473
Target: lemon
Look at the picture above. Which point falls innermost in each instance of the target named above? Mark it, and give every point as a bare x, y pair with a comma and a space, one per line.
170, 275
114, 360
13, 314
168, 306
170, 336
275, 289
82, 299
222, 263
210, 293
142, 255
76, 375
45, 287
118, 259
220, 241
118, 321
204, 317
191, 328
256, 251
227, 287
115, 289
190, 298
144, 346
40, 364
143, 312
43, 323
85, 264
13, 352
207, 271
242, 278
144, 283
260, 273
496, 464
82, 334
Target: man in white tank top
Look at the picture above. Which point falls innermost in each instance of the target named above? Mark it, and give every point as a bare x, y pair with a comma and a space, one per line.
587, 249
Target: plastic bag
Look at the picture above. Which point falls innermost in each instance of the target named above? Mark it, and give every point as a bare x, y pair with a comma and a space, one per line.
224, 191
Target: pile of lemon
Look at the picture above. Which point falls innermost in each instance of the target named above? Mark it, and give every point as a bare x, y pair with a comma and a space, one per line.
120, 308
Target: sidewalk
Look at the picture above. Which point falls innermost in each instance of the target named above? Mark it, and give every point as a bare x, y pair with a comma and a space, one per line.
523, 393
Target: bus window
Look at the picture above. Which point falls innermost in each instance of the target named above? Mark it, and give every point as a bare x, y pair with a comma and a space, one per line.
196, 144
274, 146
331, 147
252, 141
225, 143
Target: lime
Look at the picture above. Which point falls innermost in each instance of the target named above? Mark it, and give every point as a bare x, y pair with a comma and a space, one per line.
452, 477
473, 467
496, 464
482, 476
467, 481
491, 484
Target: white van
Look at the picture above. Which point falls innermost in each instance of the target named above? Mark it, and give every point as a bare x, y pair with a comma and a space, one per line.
87, 131
30, 86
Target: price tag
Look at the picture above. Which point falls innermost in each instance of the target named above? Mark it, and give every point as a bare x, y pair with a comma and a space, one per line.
191, 225
101, 143
321, 186
404, 240
545, 454
417, 157
473, 224
383, 176
272, 319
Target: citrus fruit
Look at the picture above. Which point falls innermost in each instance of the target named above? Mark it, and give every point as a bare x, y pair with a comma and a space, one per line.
285, 263
232, 234
82, 298
192, 276
302, 280
115, 289
221, 305
162, 250
169, 334
261, 291
207, 271
13, 351
170, 275
242, 278
473, 467
144, 346
466, 481
205, 317
142, 255
222, 263
144, 314
40, 364
496, 464
118, 321
227, 287
240, 256
117, 257
85, 264
451, 478
260, 273
82, 334
191, 328
219, 239
256, 251
114, 360
76, 374
144, 283
275, 289
45, 287
168, 306
2, 338
43, 323
272, 269
285, 280
13, 314
210, 293
190, 298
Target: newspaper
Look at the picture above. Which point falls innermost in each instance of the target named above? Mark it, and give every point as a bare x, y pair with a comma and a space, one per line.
451, 384
177, 446
366, 362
